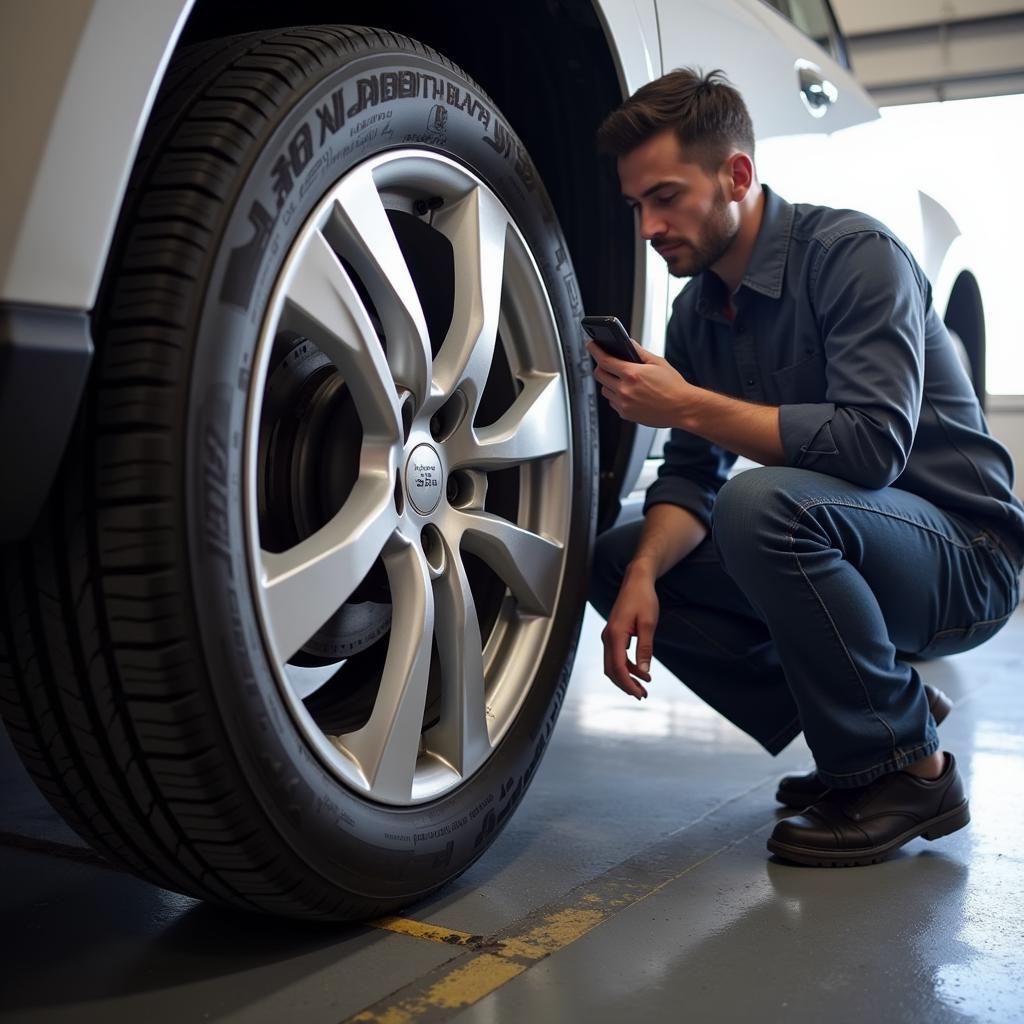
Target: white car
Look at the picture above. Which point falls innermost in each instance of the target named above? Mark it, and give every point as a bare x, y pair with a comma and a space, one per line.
302, 456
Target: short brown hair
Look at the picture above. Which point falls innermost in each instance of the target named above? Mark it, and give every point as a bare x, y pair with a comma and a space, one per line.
707, 113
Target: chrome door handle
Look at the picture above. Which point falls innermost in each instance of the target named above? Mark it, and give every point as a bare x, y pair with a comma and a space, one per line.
817, 92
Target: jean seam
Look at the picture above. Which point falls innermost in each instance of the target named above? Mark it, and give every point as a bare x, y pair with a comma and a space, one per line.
876, 769
967, 629
896, 756
880, 512
831, 621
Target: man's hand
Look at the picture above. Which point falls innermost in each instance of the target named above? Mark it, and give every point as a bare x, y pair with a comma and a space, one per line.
656, 394
652, 392
635, 613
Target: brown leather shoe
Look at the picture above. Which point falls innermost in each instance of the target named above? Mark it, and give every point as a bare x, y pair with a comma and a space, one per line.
865, 825
803, 790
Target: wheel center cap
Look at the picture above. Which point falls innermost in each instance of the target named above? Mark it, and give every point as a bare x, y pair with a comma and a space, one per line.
423, 478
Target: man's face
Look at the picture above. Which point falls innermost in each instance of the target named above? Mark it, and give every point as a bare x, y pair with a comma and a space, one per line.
682, 209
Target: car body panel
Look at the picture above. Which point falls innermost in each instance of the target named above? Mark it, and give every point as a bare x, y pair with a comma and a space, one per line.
710, 34
82, 120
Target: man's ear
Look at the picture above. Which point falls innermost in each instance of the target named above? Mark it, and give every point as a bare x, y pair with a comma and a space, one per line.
738, 171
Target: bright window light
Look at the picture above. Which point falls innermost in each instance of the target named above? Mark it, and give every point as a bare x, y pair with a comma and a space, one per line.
967, 154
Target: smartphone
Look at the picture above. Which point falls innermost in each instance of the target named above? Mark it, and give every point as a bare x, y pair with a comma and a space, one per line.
609, 333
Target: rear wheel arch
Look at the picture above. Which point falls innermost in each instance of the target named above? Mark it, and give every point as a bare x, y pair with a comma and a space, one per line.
965, 318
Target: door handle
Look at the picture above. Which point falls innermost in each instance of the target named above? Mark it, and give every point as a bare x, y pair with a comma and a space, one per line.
817, 92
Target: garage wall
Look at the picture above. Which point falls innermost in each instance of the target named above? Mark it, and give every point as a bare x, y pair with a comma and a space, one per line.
1006, 421
918, 51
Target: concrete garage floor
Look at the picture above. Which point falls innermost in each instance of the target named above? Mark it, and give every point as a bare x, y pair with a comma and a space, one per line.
632, 884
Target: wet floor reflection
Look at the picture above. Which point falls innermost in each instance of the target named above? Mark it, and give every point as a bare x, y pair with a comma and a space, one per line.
935, 934
992, 919
612, 713
598, 708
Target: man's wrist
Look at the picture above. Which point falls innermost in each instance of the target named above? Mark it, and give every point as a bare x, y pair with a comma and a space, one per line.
693, 409
642, 569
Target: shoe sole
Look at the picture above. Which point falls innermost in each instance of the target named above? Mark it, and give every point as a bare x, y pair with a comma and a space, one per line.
940, 707
934, 828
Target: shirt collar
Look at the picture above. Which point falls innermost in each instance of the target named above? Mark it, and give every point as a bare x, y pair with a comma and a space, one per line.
767, 264
768, 260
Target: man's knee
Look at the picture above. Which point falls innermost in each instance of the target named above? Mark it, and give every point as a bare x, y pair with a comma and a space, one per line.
613, 552
751, 508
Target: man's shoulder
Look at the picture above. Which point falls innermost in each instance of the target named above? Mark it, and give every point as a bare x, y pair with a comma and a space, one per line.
825, 225
831, 241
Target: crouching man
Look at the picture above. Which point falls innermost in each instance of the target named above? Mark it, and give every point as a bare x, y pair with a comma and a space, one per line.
881, 522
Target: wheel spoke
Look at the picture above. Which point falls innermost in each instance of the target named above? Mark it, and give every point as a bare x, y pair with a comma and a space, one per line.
461, 735
359, 227
476, 226
529, 564
387, 747
322, 303
305, 585
534, 427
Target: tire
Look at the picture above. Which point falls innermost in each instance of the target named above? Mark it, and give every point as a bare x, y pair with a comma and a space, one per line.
296, 625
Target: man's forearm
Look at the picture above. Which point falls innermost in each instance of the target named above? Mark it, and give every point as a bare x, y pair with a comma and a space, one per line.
741, 427
670, 533
657, 394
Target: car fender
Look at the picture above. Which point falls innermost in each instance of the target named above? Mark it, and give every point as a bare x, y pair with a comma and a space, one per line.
80, 128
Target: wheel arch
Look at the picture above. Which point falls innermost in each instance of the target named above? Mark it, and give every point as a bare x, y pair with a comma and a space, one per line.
948, 259
965, 316
550, 68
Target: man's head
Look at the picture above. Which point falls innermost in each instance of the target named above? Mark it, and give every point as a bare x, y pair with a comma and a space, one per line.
684, 144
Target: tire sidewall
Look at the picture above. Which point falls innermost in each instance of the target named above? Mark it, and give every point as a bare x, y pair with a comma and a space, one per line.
379, 852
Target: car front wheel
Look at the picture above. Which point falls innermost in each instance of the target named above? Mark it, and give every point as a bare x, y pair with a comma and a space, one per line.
295, 628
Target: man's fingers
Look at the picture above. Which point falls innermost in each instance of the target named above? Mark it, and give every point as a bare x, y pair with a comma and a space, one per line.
644, 647
635, 669
616, 665
611, 366
635, 675
645, 356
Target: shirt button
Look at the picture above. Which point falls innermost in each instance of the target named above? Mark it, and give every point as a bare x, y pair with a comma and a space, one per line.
750, 381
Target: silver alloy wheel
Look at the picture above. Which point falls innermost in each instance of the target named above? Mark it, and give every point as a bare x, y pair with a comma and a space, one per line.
419, 502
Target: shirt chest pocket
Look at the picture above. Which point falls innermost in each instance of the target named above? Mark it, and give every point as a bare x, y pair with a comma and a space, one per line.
802, 381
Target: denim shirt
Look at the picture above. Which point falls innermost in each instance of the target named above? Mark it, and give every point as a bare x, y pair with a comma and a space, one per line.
835, 325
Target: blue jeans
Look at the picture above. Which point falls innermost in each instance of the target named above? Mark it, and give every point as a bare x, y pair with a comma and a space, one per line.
797, 611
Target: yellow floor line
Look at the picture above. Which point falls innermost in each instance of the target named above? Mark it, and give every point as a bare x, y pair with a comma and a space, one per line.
463, 986
490, 963
466, 981
419, 930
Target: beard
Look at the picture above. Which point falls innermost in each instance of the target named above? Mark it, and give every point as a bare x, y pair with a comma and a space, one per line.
716, 236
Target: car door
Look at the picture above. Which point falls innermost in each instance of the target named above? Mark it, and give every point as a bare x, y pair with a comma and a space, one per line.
791, 84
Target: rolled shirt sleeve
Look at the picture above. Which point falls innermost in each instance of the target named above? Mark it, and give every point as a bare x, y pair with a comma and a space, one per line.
870, 303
